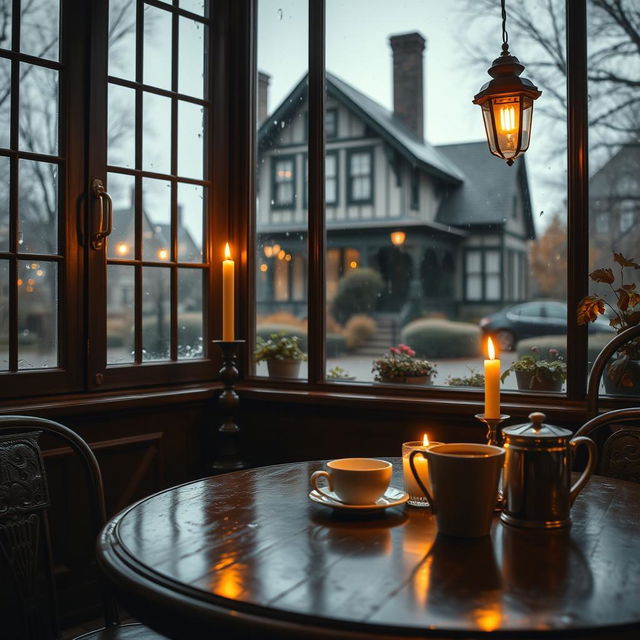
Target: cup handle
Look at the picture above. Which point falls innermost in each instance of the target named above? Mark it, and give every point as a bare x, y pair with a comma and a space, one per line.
315, 476
589, 469
414, 453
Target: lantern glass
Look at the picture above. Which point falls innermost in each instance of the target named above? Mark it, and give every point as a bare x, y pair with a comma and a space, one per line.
507, 122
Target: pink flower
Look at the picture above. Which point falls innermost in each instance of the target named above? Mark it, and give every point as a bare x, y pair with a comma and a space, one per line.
534, 349
394, 350
410, 352
553, 352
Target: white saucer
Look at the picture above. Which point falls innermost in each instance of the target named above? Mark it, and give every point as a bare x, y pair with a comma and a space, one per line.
391, 498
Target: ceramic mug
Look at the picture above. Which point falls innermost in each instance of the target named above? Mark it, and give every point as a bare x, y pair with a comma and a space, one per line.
463, 478
354, 480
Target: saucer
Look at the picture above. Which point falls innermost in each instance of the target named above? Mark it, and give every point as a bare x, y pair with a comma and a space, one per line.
391, 498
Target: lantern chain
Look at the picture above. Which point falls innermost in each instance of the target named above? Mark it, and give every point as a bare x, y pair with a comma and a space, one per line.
505, 35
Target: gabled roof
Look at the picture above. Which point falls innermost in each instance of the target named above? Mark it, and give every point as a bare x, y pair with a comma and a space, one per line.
377, 118
488, 189
617, 178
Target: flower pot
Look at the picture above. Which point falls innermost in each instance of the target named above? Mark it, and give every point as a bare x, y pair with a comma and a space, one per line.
633, 369
283, 368
417, 380
526, 382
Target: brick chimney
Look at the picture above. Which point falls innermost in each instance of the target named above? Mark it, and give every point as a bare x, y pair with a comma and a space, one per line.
408, 89
263, 96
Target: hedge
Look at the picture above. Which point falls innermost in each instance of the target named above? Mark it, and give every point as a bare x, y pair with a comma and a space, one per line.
436, 338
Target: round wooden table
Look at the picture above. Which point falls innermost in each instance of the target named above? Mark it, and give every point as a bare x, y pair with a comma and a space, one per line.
248, 555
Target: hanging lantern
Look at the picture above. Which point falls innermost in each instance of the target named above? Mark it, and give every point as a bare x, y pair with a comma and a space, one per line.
507, 103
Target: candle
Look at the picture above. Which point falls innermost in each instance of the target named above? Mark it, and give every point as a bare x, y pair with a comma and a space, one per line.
491, 383
227, 295
416, 496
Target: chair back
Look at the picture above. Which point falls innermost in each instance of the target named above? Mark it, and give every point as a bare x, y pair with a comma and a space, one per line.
620, 451
26, 567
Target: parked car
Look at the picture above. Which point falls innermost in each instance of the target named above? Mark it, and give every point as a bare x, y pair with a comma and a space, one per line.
531, 319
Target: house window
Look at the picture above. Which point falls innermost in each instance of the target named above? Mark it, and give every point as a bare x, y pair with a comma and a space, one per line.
283, 183
602, 222
627, 215
482, 275
331, 124
415, 189
331, 178
360, 176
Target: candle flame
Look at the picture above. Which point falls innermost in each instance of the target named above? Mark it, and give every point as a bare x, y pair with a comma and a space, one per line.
425, 440
491, 349
227, 252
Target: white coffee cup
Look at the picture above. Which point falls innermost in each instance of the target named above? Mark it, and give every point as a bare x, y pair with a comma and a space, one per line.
355, 480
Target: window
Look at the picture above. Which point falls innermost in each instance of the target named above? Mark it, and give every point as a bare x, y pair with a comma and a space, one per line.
473, 275
602, 222
283, 183
415, 189
482, 274
331, 179
360, 176
331, 124
627, 216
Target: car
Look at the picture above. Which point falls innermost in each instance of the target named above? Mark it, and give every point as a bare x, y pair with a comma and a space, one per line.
532, 319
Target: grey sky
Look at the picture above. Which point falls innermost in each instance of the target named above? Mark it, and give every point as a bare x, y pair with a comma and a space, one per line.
358, 51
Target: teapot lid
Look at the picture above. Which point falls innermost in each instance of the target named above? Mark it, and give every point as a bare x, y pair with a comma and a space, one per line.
536, 429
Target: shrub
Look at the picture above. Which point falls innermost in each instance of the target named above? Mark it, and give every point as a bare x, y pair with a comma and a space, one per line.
357, 292
433, 338
358, 330
265, 330
284, 317
596, 343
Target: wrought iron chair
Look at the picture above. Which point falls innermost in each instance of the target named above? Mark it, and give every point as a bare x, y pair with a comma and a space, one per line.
25, 549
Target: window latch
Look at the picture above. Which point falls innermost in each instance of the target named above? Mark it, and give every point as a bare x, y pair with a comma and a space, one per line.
102, 228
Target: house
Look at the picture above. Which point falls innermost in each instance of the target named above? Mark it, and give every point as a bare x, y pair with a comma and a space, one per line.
446, 224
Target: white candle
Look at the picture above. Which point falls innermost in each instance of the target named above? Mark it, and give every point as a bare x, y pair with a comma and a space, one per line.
228, 268
491, 383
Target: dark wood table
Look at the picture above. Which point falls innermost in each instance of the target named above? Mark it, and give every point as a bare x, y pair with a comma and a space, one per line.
249, 555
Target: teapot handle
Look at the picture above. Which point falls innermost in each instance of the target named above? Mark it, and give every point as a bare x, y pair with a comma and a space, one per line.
589, 469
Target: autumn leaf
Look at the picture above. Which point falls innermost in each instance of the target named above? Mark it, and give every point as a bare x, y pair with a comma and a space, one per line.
629, 287
602, 275
633, 318
623, 299
615, 322
634, 299
589, 309
625, 262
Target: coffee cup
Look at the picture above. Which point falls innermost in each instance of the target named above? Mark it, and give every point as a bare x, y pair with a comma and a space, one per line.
354, 480
463, 478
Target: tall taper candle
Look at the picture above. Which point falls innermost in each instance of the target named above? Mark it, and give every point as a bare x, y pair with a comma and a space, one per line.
227, 295
491, 383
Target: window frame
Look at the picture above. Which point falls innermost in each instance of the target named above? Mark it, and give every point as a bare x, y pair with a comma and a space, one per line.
368, 150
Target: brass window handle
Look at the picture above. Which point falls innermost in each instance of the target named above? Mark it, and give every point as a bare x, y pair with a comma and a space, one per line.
102, 229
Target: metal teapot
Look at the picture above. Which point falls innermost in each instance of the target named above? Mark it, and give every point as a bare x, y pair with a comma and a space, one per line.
537, 474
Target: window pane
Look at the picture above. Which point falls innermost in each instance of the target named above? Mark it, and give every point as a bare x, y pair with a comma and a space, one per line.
4, 315
4, 204
39, 28
37, 315
156, 150
190, 321
156, 221
122, 39
5, 24
156, 317
437, 221
190, 140
281, 242
157, 48
38, 207
5, 100
120, 314
121, 242
195, 6
121, 137
190, 219
191, 58
613, 61
38, 109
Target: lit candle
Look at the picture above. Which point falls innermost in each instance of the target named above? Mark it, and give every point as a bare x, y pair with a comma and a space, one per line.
416, 496
227, 295
491, 383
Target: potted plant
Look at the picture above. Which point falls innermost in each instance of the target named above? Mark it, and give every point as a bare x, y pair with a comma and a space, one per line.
623, 374
282, 354
338, 373
400, 365
474, 379
539, 375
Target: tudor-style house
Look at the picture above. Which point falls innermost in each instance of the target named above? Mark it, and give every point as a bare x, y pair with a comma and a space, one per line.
463, 219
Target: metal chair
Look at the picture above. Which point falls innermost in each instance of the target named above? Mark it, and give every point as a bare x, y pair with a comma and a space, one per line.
620, 453
29, 611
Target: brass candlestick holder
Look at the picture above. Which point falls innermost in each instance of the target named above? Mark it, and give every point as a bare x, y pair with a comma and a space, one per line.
228, 455
494, 437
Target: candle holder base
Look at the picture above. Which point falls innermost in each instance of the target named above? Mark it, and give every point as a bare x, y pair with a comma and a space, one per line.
228, 451
494, 437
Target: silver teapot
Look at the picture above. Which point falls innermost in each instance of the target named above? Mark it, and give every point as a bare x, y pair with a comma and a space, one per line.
537, 474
